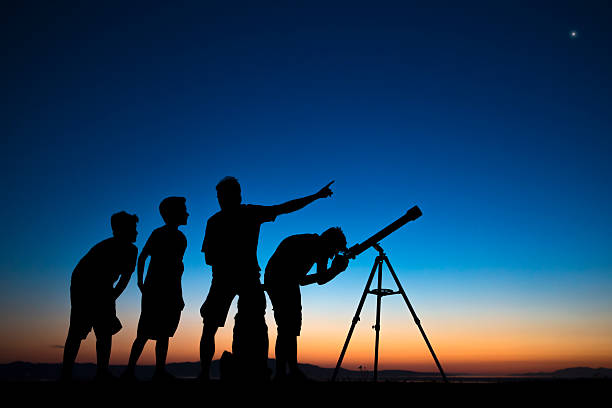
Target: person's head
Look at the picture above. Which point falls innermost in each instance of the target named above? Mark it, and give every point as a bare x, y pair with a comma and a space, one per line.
228, 193
124, 226
174, 211
334, 241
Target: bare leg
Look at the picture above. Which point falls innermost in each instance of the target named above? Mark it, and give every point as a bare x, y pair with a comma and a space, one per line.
281, 356
137, 348
161, 352
207, 349
71, 349
291, 350
103, 352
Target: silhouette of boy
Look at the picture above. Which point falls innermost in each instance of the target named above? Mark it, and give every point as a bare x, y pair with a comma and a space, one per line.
93, 296
287, 269
230, 247
162, 294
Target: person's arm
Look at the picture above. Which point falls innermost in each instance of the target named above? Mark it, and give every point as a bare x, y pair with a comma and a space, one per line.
299, 203
314, 278
140, 268
126, 275
122, 284
324, 275
207, 245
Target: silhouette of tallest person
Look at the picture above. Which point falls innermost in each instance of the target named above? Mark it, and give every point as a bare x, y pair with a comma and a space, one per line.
230, 248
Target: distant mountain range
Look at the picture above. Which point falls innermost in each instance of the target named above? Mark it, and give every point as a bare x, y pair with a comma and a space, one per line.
22, 371
574, 372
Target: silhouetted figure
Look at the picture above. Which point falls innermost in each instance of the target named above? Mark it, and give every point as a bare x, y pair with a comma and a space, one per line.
162, 294
230, 247
287, 269
93, 296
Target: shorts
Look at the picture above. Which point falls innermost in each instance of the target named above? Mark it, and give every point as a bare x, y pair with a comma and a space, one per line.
159, 319
103, 320
287, 305
251, 301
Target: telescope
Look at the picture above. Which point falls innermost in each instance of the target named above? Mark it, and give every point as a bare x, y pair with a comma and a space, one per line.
382, 259
411, 215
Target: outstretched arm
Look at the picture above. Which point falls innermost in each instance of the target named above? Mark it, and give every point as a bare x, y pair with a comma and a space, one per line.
298, 204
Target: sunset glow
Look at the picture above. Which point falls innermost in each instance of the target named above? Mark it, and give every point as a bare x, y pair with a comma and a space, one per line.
488, 117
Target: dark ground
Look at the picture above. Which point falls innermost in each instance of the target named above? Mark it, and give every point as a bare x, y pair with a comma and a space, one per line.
316, 394
36, 385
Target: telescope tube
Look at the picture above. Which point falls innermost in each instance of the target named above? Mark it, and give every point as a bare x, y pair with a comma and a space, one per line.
411, 215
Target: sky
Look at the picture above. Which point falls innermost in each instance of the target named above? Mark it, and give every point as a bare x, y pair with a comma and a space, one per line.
492, 117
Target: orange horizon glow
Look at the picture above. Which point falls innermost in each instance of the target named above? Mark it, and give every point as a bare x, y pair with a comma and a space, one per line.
470, 352
467, 339
493, 119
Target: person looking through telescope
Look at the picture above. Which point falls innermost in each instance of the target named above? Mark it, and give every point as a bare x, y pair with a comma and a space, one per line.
286, 271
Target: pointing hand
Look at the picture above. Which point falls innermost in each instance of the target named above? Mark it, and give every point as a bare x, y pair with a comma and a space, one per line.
326, 191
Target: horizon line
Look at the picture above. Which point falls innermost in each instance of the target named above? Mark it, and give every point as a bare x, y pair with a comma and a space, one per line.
437, 373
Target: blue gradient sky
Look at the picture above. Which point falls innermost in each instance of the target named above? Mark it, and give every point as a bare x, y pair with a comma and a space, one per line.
490, 117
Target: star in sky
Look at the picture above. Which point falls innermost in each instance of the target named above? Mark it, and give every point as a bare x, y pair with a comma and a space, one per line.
573, 34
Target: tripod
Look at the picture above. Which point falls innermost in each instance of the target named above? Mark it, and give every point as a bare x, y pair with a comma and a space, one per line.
379, 292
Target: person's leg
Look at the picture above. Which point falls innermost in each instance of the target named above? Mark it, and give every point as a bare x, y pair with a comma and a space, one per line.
279, 307
214, 312
103, 352
294, 326
137, 348
291, 350
281, 356
148, 315
207, 348
161, 352
71, 349
80, 326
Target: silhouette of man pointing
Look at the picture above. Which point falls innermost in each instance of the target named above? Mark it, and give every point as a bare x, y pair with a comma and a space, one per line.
230, 248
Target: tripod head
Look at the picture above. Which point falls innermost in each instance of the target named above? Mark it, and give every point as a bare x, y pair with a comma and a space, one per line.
411, 215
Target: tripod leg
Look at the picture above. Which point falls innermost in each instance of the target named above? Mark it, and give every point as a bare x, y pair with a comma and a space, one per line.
356, 318
377, 326
414, 316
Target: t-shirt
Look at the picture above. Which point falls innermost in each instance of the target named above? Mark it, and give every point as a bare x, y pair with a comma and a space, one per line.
293, 258
96, 273
166, 246
230, 241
